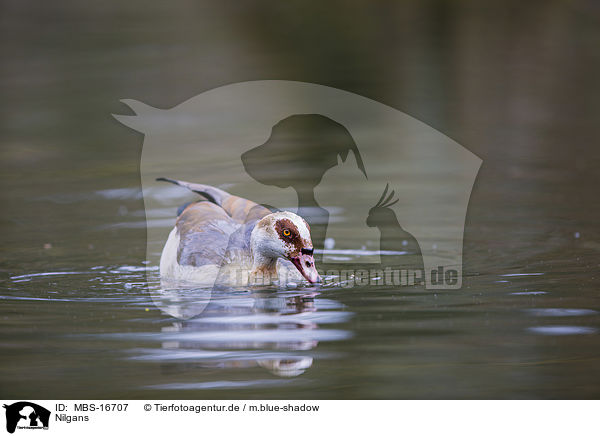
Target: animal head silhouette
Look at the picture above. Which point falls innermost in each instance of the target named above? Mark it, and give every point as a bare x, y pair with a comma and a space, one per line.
299, 151
381, 213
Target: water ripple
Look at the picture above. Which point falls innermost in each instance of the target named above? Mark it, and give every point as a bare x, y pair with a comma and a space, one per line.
561, 330
220, 384
561, 312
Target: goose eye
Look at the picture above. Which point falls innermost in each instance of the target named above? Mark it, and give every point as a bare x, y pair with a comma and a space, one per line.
286, 232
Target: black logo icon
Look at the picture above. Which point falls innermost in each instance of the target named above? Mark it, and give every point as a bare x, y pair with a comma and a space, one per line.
24, 414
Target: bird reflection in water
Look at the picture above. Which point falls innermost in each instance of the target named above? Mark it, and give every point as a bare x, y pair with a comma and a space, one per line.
243, 329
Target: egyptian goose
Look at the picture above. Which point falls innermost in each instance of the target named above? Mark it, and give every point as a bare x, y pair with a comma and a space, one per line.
230, 240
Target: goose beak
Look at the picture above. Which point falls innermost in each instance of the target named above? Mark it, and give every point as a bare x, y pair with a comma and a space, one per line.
305, 263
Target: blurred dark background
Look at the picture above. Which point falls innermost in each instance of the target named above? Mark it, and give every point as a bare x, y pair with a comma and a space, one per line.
517, 83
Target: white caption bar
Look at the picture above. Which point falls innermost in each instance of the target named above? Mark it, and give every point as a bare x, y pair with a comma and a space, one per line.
149, 417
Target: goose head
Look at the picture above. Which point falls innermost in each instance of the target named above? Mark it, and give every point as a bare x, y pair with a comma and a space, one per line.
284, 235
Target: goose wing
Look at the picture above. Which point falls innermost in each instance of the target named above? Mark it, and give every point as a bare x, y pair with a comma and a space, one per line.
204, 231
239, 209
209, 230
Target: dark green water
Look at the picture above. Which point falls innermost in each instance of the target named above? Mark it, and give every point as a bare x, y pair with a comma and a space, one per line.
516, 85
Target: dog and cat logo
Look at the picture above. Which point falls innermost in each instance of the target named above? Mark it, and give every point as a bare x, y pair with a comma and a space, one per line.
26, 415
